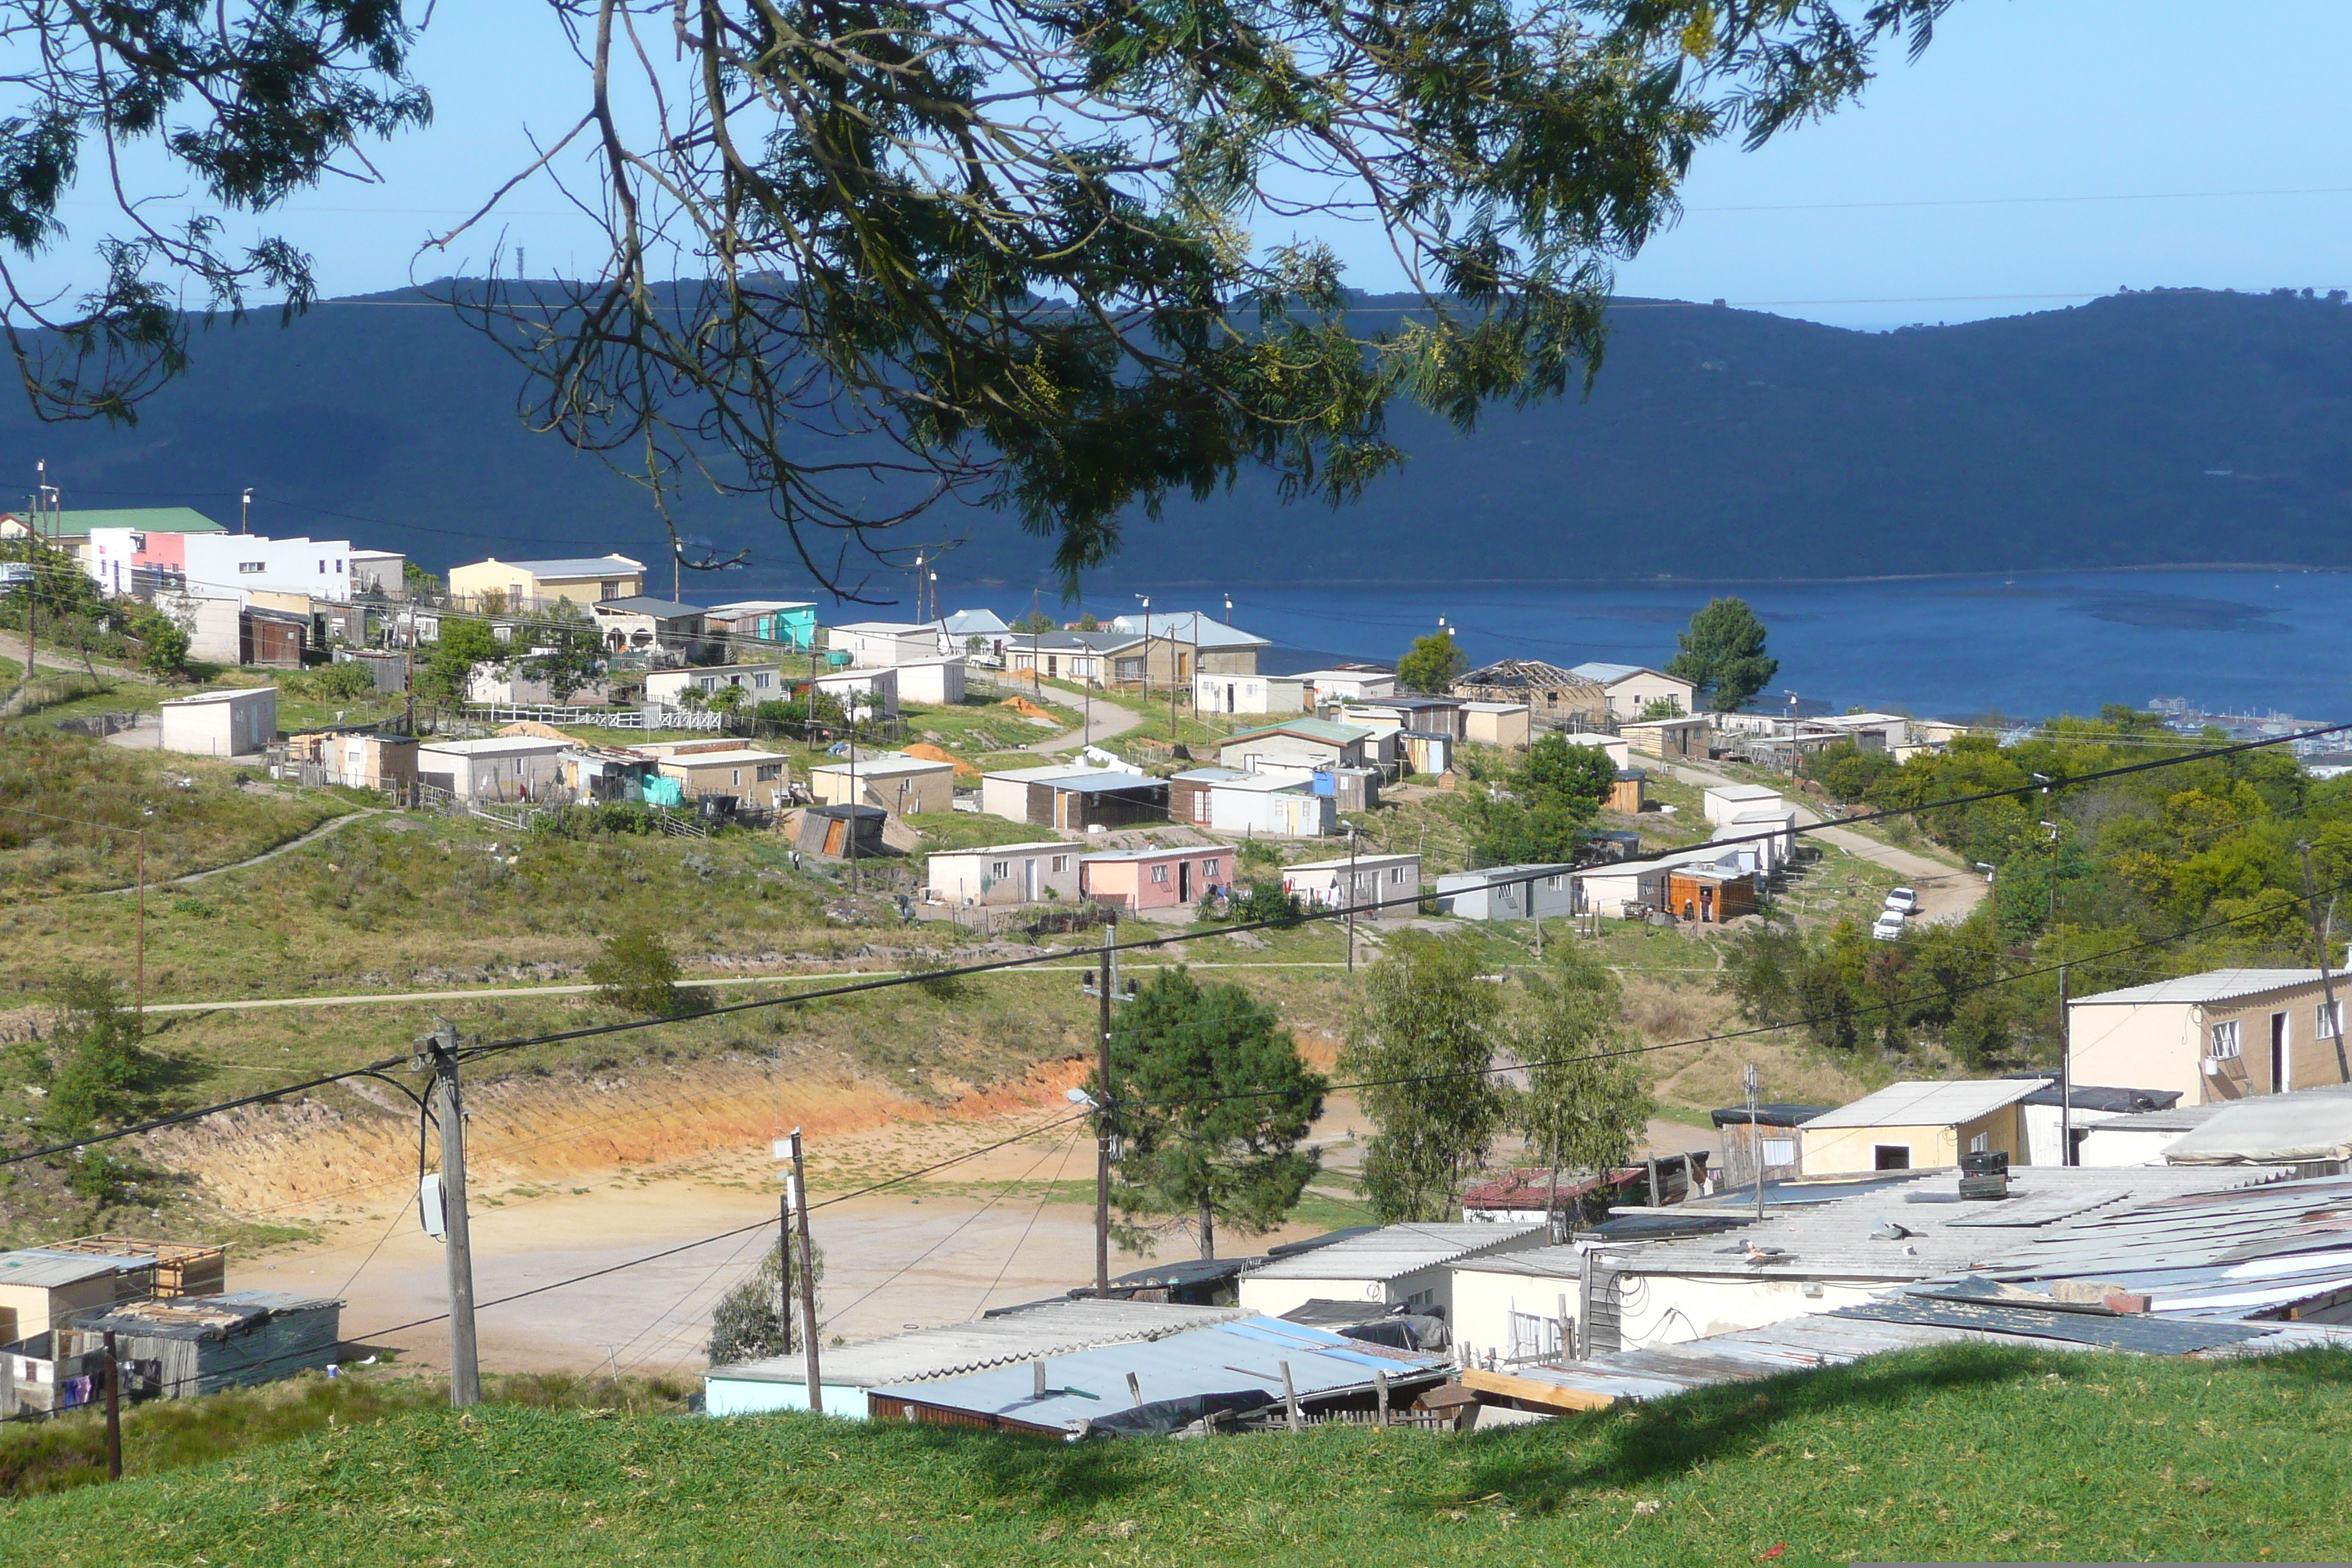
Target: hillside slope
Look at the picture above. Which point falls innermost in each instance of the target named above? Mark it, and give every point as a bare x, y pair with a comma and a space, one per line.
1968, 1452
2140, 429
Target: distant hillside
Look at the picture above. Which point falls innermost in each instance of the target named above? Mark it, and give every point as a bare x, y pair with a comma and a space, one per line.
2141, 429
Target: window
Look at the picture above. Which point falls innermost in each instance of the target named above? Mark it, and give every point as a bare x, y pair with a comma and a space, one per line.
323, 568
1894, 1156
1396, 875
2226, 1043
1981, 1142
770, 771
2328, 1018
608, 589
1061, 862
338, 565
1780, 1151
251, 566
1000, 869
1534, 1337
1159, 873
1554, 882
1209, 866
735, 776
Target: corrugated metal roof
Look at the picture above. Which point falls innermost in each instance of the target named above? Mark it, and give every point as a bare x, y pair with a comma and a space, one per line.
1395, 1250
1917, 1103
44, 1270
2213, 985
1943, 1234
1245, 1354
575, 566
1052, 1328
1604, 672
1308, 728
2308, 1125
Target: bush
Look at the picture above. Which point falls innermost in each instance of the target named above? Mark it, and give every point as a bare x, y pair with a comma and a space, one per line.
101, 1069
1265, 901
637, 973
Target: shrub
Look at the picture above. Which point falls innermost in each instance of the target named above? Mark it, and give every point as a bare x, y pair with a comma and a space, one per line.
637, 973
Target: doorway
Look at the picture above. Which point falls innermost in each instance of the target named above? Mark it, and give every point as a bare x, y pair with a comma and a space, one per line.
1894, 1156
2279, 1063
1183, 881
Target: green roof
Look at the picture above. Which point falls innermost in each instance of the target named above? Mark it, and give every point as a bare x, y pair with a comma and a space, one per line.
1312, 729
147, 518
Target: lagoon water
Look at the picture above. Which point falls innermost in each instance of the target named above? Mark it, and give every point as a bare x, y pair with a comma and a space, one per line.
2025, 646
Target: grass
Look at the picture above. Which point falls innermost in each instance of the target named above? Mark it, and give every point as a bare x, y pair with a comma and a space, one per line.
1969, 1452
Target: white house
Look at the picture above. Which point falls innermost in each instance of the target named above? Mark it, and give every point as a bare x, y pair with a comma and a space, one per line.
1004, 873
933, 682
884, 645
211, 622
1403, 1265
125, 560
1393, 881
1329, 686
1725, 802
757, 683
975, 634
1301, 745
1772, 829
1632, 688
1249, 694
1620, 750
502, 767
1269, 804
1887, 732
221, 724
1005, 794
506, 686
864, 693
382, 573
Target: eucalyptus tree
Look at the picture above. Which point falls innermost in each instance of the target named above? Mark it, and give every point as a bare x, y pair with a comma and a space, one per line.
1065, 257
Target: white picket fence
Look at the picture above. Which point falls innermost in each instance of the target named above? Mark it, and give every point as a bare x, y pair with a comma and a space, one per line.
648, 718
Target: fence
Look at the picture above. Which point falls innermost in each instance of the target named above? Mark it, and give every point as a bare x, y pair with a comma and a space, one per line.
652, 717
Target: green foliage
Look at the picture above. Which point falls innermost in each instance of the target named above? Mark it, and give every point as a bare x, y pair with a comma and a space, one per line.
1431, 664
637, 973
1582, 1109
751, 1319
1035, 622
162, 644
348, 681
95, 1068
1723, 655
1263, 902
1213, 1101
1847, 772
566, 649
1422, 1034
418, 581
464, 643
1549, 802
1662, 708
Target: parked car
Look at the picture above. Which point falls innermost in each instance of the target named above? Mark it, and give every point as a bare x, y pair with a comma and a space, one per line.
1889, 926
1903, 901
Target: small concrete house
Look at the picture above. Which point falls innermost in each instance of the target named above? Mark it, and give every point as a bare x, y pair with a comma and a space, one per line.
507, 686
754, 778
503, 767
1401, 1265
2223, 1035
884, 645
1393, 881
213, 622
1264, 805
1632, 688
1508, 893
221, 724
523, 585
757, 683
1724, 802
1496, 723
790, 622
1419, 715
1299, 744
865, 693
1178, 645
1916, 1125
379, 573
1325, 687
1076, 798
904, 785
932, 683
1620, 751
1154, 878
1249, 694
1006, 873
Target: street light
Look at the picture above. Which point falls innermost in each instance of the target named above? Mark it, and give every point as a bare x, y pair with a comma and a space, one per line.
1146, 599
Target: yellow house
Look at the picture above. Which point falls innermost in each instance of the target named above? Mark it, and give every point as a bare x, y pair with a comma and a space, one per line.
2226, 1034
516, 585
40, 1288
1916, 1126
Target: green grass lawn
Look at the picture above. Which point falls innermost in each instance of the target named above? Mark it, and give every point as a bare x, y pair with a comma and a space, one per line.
1968, 1452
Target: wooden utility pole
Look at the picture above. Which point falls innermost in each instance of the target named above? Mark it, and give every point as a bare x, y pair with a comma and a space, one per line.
784, 1267
2319, 937
2065, 1073
113, 1411
809, 1336
139, 995
1102, 1113
439, 1054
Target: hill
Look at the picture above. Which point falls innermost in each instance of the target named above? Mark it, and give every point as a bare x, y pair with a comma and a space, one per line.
2141, 429
1968, 1452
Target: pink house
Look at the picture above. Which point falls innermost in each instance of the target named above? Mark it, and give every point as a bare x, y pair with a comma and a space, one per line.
1154, 878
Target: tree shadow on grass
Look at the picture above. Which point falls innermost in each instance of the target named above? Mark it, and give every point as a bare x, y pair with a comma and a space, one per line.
1536, 1467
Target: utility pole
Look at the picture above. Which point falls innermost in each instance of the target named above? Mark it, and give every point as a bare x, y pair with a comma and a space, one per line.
1352, 898
853, 802
2065, 1072
1102, 1113
1147, 652
113, 1411
2319, 939
1751, 1080
139, 995
245, 511
799, 1196
784, 1265
437, 1052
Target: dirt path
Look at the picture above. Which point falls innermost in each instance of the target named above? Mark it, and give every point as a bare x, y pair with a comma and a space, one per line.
331, 824
1108, 720
1947, 891
12, 645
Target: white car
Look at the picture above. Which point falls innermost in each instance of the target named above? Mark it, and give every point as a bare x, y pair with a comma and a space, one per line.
1889, 927
1903, 901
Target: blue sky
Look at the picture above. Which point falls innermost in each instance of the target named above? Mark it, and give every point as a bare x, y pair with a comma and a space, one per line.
2017, 111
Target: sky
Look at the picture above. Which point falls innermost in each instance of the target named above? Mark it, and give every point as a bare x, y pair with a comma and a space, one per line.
2038, 155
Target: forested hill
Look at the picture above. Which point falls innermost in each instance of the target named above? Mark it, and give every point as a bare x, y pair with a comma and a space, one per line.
2141, 429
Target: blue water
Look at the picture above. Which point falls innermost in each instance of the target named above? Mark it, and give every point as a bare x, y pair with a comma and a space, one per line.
2230, 641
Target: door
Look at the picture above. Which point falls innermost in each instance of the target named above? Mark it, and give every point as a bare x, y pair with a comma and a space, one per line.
2279, 1063
1183, 881
1029, 881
